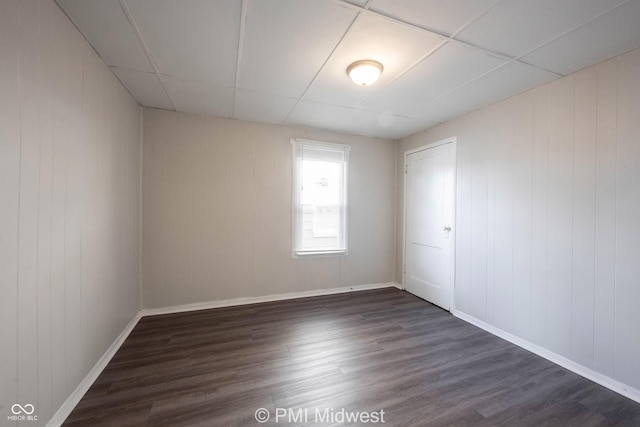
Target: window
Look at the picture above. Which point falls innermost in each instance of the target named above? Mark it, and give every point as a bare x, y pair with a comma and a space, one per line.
319, 197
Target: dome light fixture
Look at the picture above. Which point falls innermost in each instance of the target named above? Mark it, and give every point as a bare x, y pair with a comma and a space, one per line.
364, 72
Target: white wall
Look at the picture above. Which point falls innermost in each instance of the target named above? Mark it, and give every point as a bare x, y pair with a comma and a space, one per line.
548, 205
217, 211
70, 151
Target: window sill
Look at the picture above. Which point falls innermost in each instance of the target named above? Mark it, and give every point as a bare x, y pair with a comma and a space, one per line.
316, 254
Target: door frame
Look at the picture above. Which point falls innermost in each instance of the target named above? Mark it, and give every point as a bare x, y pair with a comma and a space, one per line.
452, 262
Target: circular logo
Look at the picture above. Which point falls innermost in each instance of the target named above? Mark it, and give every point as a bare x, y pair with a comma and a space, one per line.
18, 409
262, 415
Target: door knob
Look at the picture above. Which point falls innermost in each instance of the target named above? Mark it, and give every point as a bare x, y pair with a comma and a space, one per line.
447, 228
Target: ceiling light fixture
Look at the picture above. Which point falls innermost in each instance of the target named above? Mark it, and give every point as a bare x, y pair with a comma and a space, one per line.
365, 72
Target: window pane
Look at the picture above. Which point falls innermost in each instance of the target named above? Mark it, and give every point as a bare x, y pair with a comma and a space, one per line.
319, 197
321, 183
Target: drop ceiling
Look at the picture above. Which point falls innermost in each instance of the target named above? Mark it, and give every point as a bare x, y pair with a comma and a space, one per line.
284, 61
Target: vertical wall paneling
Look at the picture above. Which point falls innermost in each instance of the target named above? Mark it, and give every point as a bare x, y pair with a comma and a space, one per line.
70, 212
627, 289
464, 214
491, 219
360, 219
584, 180
539, 215
59, 96
45, 113
72, 205
479, 220
9, 194
522, 203
28, 208
605, 216
503, 207
217, 211
560, 196
89, 93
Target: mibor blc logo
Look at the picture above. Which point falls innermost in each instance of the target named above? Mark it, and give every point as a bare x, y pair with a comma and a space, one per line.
22, 413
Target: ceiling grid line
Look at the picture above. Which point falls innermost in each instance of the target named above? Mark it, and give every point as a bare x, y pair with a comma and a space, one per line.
326, 61
564, 33
284, 62
243, 22
401, 74
408, 24
152, 62
82, 31
434, 50
451, 38
474, 19
421, 59
486, 73
408, 69
361, 11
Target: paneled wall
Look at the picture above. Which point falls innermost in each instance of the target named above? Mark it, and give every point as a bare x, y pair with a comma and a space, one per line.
217, 211
548, 205
70, 156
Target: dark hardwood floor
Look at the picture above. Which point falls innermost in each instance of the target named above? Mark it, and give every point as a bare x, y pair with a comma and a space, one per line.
364, 351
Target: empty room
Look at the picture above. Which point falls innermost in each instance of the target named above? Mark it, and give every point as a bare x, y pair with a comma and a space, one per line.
319, 212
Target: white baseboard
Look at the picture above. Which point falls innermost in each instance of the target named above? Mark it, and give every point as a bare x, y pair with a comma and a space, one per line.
267, 298
65, 410
577, 368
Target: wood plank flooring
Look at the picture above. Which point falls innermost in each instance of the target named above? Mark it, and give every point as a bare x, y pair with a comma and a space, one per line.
363, 351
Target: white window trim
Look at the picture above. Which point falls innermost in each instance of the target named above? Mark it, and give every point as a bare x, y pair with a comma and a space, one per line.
295, 179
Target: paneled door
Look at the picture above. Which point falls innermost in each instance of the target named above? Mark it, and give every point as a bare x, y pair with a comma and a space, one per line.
429, 214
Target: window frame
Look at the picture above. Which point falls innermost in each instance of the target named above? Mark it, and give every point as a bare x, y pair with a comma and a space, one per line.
296, 179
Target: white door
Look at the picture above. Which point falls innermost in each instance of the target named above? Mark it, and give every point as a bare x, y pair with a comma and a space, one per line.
430, 187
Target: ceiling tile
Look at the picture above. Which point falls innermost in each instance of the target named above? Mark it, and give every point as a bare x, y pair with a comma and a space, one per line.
609, 35
191, 39
106, 26
444, 17
515, 27
261, 107
448, 68
313, 114
145, 87
509, 80
287, 41
382, 125
288, 44
395, 46
200, 98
